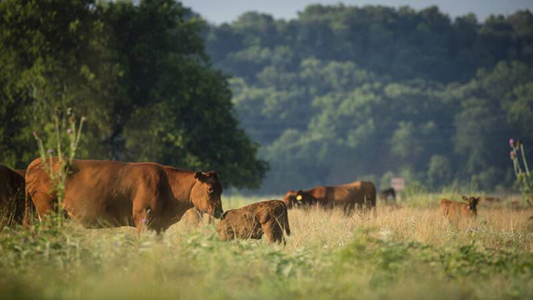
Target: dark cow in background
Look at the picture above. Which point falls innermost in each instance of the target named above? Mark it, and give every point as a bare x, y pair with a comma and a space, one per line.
358, 194
254, 220
387, 195
110, 193
454, 210
11, 196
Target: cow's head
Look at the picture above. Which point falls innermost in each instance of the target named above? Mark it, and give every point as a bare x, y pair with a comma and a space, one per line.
289, 199
298, 199
205, 194
305, 199
472, 203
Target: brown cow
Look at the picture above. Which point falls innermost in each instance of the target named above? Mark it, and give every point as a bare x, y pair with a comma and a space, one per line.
360, 194
250, 222
11, 196
110, 193
452, 209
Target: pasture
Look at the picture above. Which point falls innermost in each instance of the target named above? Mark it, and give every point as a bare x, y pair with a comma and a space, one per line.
410, 252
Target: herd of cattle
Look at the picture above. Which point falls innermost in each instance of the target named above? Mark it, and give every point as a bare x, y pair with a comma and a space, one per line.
148, 195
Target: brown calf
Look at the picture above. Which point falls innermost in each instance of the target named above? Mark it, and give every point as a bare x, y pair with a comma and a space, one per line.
452, 209
251, 221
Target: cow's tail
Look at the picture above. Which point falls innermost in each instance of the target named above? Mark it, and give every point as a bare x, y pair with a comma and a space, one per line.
286, 220
29, 207
372, 201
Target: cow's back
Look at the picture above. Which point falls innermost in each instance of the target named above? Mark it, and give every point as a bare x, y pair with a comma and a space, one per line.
450, 208
268, 209
369, 192
96, 192
345, 195
362, 192
239, 223
340, 194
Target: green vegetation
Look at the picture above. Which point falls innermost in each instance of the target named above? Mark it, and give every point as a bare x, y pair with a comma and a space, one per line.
408, 253
524, 178
140, 75
343, 93
67, 138
338, 94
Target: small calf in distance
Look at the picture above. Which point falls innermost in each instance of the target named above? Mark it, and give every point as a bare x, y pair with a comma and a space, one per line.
254, 220
452, 209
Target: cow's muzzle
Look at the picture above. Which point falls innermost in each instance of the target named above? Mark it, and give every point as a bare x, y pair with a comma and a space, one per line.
218, 214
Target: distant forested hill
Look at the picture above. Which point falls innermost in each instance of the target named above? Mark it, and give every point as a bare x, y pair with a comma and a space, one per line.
344, 93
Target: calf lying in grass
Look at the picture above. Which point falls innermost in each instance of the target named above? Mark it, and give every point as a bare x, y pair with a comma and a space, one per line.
452, 209
251, 221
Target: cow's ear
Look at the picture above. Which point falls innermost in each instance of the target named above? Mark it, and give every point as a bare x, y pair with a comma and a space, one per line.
465, 198
198, 175
215, 175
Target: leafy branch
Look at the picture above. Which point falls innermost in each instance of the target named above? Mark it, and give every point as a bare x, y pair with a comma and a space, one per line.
523, 177
57, 167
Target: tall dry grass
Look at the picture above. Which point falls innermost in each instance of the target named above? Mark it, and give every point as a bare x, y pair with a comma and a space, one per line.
404, 253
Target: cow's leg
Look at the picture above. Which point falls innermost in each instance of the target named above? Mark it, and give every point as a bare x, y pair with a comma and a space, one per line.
28, 210
349, 209
43, 203
370, 204
273, 231
359, 204
143, 217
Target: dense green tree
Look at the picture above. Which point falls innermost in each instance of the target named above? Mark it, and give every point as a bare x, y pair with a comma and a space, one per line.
337, 94
402, 43
53, 55
139, 73
439, 171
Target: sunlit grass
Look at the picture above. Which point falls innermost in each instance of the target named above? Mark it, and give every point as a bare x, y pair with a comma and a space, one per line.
407, 252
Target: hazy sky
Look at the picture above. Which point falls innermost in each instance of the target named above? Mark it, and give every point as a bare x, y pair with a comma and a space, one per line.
218, 11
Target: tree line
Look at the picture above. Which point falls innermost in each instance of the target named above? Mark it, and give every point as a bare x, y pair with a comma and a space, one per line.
337, 94
343, 93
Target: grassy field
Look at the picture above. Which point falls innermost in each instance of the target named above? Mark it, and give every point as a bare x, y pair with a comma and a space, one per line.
404, 253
